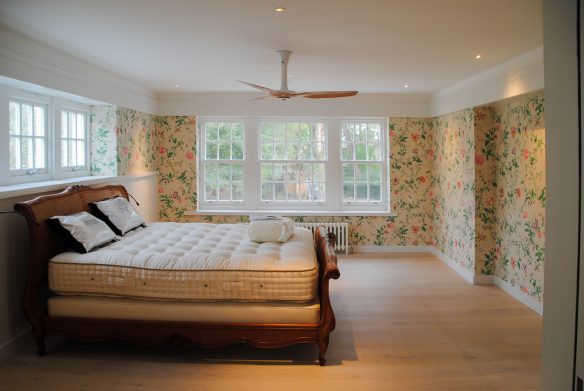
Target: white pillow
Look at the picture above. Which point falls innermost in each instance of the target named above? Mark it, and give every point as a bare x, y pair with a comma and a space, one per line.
274, 230
121, 215
86, 229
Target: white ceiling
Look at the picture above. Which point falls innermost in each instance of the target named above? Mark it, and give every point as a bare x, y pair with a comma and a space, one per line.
372, 46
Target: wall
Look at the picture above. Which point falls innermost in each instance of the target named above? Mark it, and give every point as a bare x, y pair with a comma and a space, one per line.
102, 128
454, 178
511, 192
563, 160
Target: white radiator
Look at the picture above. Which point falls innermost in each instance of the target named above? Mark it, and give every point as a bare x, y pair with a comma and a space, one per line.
341, 231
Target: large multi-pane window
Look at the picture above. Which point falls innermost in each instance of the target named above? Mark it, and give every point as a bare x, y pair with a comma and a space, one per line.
46, 138
293, 164
293, 158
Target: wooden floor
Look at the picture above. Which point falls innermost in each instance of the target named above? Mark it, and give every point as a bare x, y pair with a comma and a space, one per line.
404, 322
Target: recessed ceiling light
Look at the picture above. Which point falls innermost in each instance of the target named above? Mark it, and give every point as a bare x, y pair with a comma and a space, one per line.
177, 85
280, 9
478, 57
406, 86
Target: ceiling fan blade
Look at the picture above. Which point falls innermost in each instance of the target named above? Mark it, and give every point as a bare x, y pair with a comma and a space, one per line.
262, 88
327, 94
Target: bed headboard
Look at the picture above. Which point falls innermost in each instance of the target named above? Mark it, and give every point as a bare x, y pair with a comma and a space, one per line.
43, 242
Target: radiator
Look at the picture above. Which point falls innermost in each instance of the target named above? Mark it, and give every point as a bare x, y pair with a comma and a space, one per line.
341, 231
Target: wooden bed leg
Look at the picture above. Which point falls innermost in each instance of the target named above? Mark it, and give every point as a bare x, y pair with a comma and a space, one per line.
40, 340
322, 345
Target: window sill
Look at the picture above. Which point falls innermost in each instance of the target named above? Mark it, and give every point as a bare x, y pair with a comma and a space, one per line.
22, 189
289, 213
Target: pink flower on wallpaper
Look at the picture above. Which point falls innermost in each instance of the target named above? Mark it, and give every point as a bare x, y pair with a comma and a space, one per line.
458, 184
525, 154
513, 263
524, 289
395, 181
415, 229
518, 192
514, 151
422, 179
415, 151
430, 194
160, 190
391, 133
462, 152
479, 160
189, 155
162, 150
125, 151
430, 152
513, 131
524, 215
415, 137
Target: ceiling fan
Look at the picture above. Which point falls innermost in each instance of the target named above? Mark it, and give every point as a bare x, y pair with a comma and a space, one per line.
284, 93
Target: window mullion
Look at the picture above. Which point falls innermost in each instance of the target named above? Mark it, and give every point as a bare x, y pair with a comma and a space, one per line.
334, 180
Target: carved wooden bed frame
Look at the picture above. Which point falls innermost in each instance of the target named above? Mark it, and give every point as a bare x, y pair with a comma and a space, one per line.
177, 334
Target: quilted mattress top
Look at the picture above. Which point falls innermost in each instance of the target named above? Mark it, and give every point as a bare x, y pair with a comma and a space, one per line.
200, 247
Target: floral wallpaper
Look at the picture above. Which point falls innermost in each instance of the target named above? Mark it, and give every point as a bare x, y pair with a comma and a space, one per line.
453, 179
486, 159
176, 161
471, 183
102, 128
513, 138
135, 142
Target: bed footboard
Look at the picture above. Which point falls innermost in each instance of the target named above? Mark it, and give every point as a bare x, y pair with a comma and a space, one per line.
177, 334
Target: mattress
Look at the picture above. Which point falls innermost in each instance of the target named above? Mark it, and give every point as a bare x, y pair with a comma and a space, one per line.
191, 262
183, 311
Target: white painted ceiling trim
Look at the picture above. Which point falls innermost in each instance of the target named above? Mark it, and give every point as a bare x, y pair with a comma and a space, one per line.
22, 58
517, 76
243, 104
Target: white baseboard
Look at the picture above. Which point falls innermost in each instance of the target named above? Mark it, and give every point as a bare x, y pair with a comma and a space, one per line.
391, 249
514, 292
15, 344
464, 273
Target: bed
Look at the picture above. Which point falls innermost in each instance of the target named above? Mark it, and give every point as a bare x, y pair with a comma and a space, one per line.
144, 291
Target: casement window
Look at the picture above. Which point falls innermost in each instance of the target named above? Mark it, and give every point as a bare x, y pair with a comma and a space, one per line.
292, 164
47, 137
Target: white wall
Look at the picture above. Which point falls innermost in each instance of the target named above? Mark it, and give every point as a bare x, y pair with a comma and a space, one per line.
14, 248
24, 59
520, 75
562, 159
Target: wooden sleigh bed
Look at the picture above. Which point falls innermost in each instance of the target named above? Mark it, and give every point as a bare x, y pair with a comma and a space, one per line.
44, 246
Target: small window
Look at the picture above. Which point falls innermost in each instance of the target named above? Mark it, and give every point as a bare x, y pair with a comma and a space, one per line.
73, 140
28, 137
223, 162
362, 161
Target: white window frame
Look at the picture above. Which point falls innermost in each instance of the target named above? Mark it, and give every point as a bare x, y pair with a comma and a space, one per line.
334, 185
69, 171
52, 142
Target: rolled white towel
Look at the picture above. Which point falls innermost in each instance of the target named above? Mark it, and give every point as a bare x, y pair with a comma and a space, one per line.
279, 230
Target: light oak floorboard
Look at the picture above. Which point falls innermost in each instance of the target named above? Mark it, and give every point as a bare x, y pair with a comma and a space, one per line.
404, 322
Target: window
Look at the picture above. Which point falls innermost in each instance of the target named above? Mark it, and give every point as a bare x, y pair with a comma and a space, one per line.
293, 164
293, 161
223, 163
73, 135
28, 137
47, 137
362, 164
